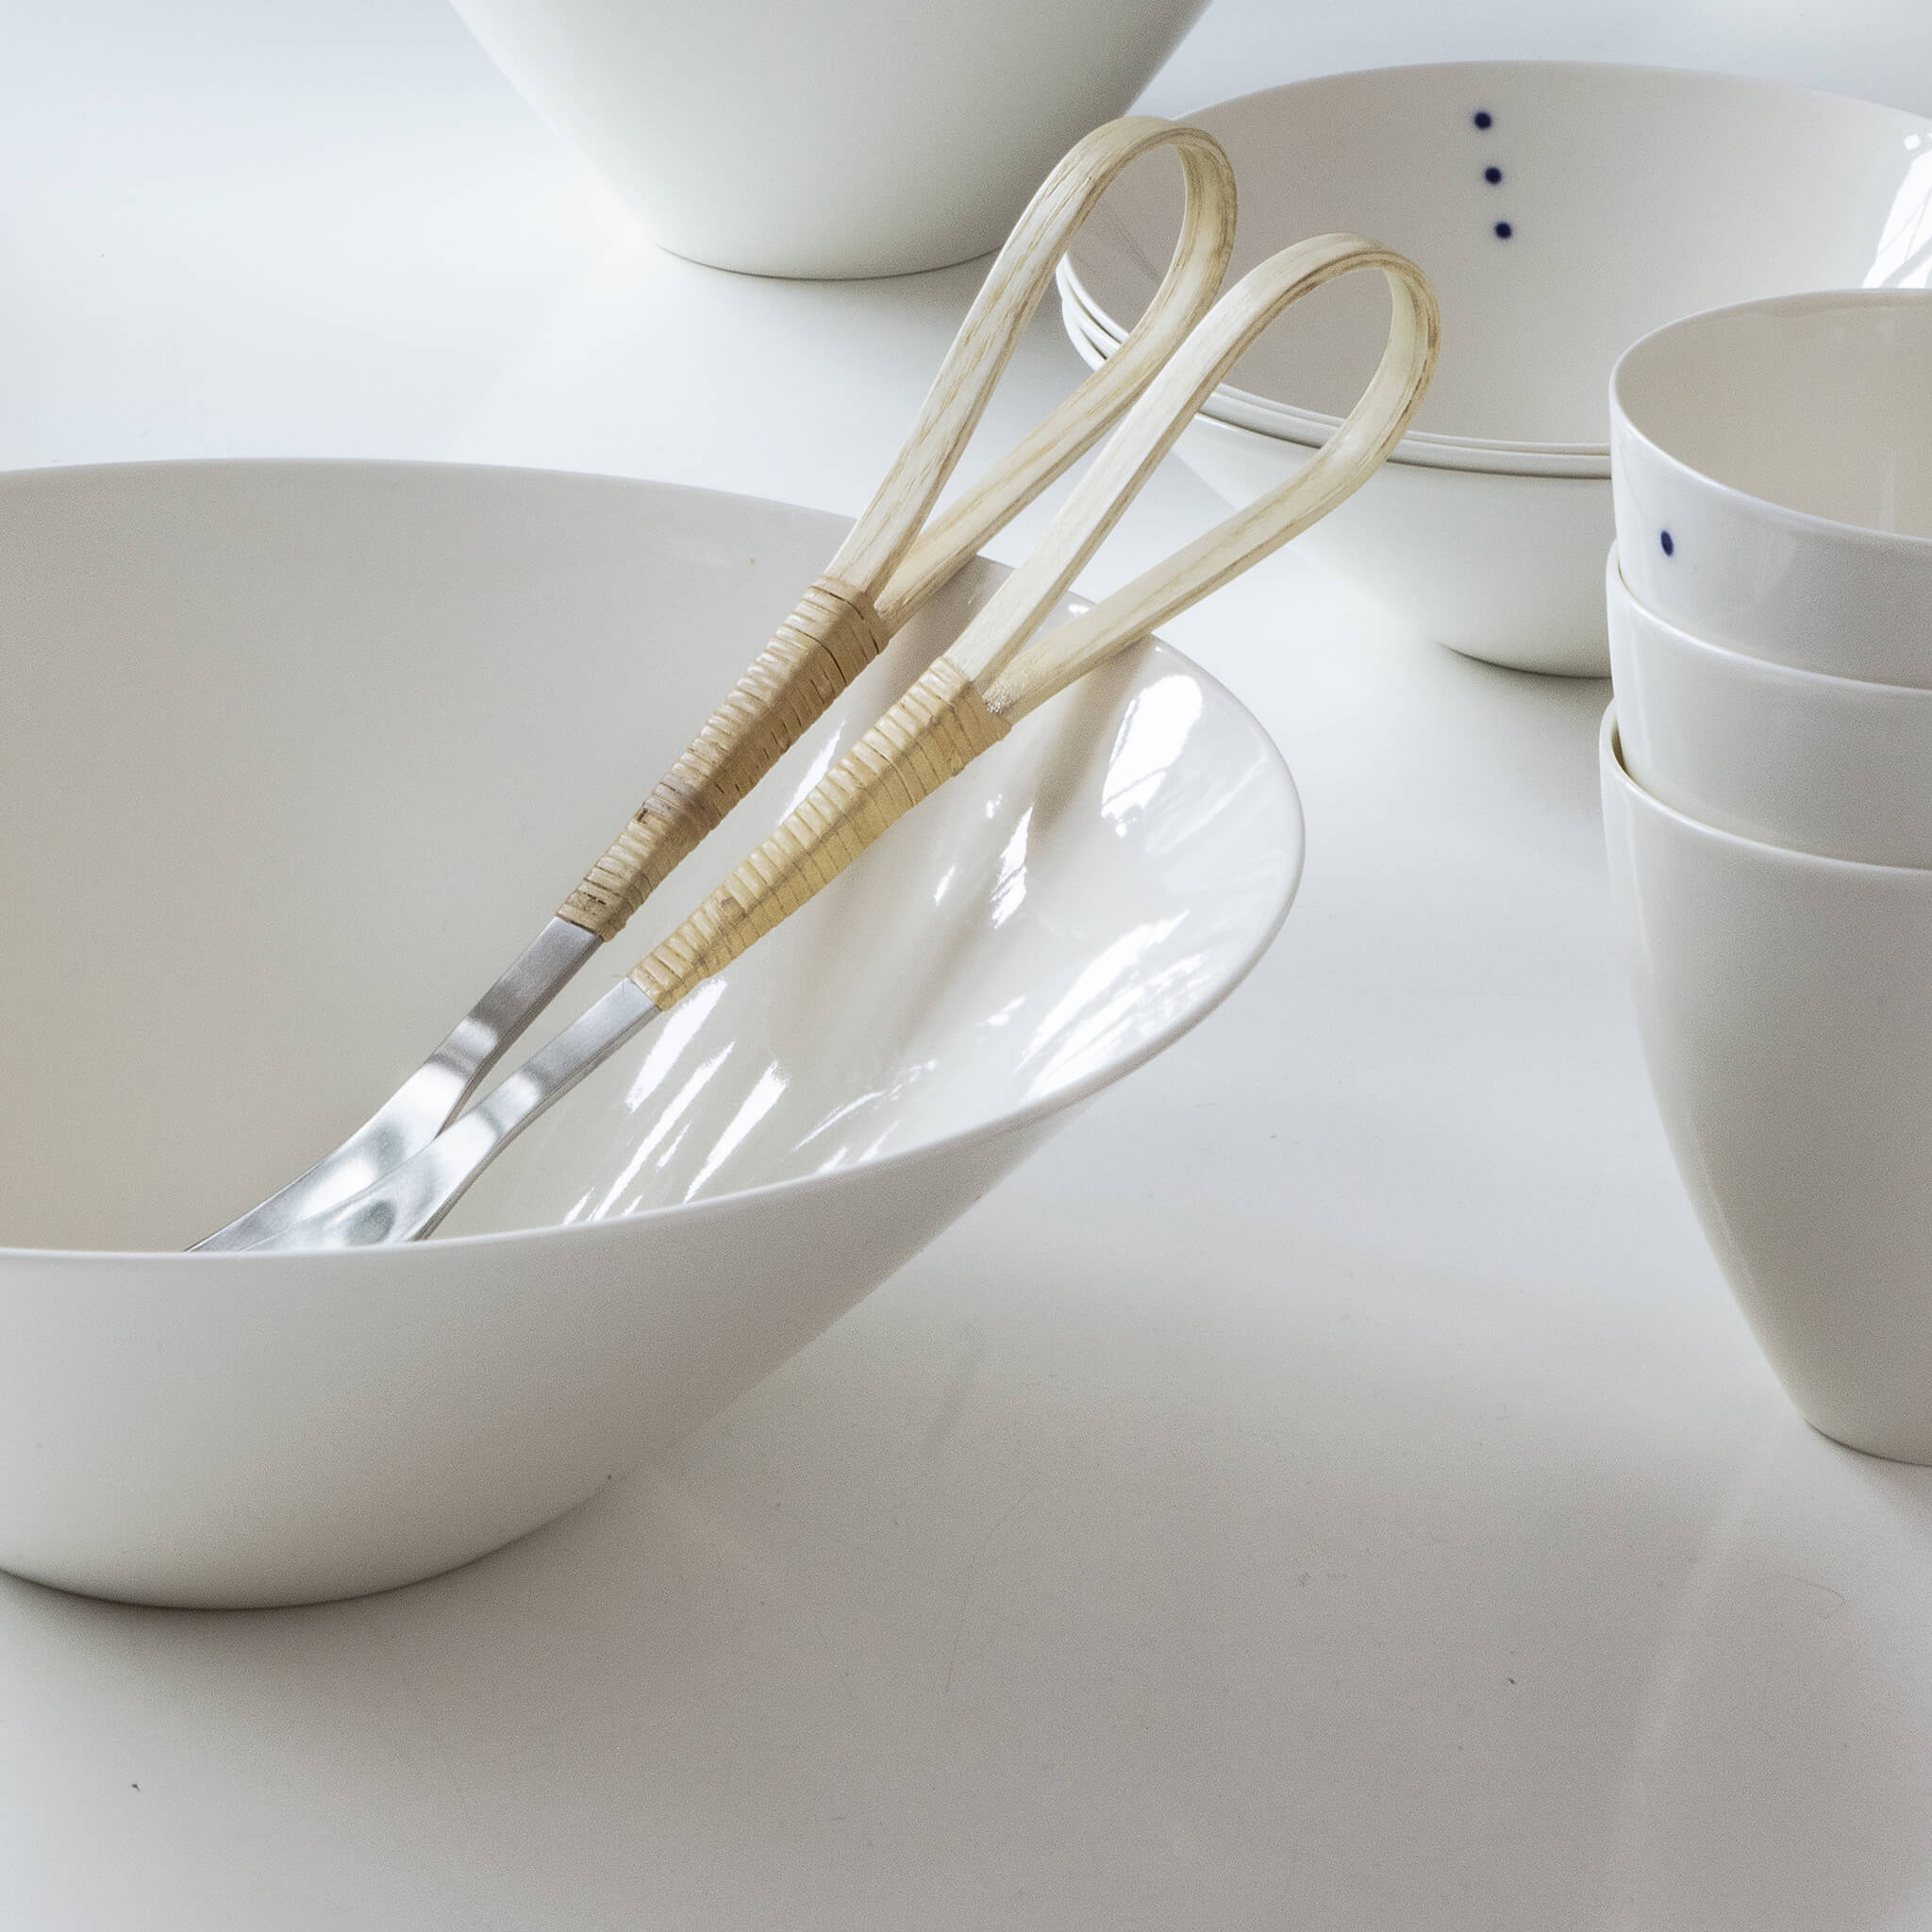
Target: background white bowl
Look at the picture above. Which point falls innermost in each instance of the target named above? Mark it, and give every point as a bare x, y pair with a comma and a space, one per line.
295, 757
1505, 567
842, 138
1831, 765
1633, 195
1773, 475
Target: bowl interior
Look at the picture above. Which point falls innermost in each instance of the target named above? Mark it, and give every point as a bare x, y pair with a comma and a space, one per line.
1821, 404
298, 755
1630, 196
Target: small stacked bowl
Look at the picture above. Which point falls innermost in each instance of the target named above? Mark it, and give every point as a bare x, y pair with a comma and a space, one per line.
1561, 210
1767, 780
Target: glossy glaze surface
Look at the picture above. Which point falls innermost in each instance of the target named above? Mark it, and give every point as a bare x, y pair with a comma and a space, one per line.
1631, 196
1787, 1019
310, 681
1832, 765
1774, 477
847, 138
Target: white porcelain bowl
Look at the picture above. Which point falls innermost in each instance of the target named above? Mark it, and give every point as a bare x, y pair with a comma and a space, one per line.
1507, 569
1774, 474
842, 138
294, 758
1629, 196
1786, 1010
1831, 765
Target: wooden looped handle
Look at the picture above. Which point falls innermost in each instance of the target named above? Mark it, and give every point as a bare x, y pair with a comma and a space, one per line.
998, 650
996, 671
935, 731
891, 545
887, 569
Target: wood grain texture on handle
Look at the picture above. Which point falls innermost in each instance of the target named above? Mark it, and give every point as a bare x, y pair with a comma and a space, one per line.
831, 636
933, 733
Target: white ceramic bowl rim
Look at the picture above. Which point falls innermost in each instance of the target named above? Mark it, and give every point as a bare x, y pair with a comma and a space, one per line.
1827, 681
1315, 420
288, 1264
1763, 508
1613, 747
1310, 429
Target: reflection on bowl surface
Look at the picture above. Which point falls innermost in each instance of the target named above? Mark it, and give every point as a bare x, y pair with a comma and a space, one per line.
1007, 953
1561, 210
298, 756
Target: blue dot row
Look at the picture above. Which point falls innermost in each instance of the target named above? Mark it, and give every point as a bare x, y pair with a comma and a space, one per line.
1485, 119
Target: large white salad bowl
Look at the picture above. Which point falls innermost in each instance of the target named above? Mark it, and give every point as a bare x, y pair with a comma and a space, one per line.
295, 757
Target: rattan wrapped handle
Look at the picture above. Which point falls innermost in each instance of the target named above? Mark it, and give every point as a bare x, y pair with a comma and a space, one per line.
932, 734
830, 637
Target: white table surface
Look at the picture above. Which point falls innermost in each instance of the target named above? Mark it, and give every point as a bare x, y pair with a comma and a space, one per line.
1330, 1487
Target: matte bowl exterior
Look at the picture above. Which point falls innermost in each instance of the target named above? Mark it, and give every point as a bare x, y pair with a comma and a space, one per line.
1773, 466
1785, 1003
843, 138
1507, 569
339, 737
266, 1432
1830, 765
1561, 210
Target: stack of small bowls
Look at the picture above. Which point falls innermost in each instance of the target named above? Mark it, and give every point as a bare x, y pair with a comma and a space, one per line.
1767, 773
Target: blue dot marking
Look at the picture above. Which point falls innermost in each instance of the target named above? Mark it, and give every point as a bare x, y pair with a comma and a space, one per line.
1483, 118
1493, 175
1503, 231
1663, 537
